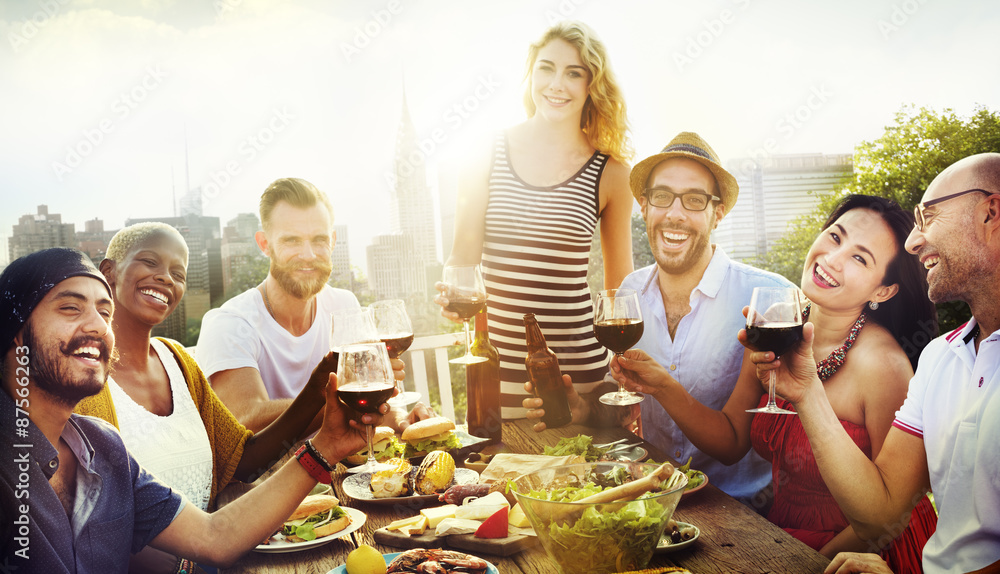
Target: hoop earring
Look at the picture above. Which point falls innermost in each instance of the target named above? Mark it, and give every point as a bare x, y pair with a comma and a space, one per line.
873, 305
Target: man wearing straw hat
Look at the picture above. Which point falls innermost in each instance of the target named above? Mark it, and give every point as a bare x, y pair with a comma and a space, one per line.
691, 301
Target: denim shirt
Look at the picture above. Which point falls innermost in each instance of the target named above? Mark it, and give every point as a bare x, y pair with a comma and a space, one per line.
705, 358
118, 507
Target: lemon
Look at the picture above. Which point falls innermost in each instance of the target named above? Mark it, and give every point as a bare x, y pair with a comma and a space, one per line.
365, 560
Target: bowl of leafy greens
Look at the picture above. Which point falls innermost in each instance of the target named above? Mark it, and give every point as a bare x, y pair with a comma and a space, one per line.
600, 517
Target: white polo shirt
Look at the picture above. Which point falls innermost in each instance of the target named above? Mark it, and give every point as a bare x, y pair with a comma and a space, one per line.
953, 404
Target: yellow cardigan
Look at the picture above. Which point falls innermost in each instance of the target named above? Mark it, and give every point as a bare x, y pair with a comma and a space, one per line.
225, 434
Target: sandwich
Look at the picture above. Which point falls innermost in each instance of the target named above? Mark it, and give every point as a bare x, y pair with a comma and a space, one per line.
384, 446
428, 435
317, 516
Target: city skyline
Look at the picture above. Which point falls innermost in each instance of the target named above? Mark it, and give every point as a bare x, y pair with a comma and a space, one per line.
260, 90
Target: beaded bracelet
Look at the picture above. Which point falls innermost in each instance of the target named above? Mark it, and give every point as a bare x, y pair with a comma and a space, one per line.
184, 566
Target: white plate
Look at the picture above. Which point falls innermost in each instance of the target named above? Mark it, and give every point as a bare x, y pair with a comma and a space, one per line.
490, 568
406, 398
357, 487
665, 545
278, 544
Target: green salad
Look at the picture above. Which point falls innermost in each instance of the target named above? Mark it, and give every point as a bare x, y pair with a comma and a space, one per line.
580, 445
605, 538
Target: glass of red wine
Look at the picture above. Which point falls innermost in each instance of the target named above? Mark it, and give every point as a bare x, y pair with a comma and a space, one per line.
618, 326
774, 323
466, 294
396, 331
364, 382
350, 326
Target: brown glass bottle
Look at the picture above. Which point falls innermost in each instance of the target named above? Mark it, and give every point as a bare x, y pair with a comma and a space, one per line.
543, 371
482, 386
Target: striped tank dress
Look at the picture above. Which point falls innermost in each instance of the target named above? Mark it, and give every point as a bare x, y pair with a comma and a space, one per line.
535, 260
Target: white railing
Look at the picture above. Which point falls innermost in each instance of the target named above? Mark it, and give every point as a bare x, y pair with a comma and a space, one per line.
415, 359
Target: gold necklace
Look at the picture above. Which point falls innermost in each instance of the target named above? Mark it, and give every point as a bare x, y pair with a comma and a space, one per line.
267, 302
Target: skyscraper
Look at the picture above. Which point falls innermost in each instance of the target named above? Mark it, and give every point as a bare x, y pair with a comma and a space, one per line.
774, 191
40, 231
412, 207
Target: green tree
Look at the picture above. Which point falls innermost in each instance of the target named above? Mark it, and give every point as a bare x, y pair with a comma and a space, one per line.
898, 165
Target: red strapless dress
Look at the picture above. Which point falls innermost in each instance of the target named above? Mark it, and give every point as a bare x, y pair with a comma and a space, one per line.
804, 507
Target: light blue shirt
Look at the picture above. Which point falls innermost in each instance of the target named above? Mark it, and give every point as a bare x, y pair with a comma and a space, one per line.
705, 358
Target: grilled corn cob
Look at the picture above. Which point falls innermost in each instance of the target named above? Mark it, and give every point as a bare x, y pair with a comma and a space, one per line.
435, 473
394, 481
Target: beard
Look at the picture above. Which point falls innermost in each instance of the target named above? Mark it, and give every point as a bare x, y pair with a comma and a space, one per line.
51, 373
301, 289
677, 263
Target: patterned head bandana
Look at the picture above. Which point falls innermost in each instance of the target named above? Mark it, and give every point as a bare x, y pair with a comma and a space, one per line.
26, 281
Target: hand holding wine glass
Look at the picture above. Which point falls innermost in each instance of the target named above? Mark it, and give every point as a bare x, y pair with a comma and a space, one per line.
466, 293
774, 323
618, 326
396, 331
364, 382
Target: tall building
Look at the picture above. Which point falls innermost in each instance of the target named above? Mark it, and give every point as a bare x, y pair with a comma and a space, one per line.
340, 258
774, 191
391, 274
40, 231
94, 240
204, 276
412, 207
191, 203
238, 248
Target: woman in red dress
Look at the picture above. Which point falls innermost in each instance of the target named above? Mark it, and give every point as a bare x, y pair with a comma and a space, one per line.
869, 307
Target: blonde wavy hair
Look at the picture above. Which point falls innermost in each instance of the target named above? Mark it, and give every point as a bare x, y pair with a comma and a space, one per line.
604, 120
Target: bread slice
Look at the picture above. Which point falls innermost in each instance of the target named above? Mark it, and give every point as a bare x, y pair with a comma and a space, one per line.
314, 504
427, 427
332, 527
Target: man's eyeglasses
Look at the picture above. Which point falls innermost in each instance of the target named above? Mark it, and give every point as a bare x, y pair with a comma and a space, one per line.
920, 216
692, 200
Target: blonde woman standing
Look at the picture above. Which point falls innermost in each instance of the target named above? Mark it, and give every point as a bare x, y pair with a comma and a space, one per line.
529, 206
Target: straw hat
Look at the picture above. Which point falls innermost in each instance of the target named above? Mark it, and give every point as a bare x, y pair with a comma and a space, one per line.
691, 146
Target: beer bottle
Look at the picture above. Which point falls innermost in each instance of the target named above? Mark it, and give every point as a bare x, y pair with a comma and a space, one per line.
482, 386
543, 371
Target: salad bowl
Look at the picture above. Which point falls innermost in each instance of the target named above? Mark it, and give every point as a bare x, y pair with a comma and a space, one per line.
597, 537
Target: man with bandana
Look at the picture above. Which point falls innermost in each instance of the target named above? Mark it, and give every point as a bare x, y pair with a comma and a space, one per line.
74, 500
259, 349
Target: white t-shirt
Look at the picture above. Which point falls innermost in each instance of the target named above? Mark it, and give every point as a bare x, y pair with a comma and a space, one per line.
174, 448
953, 404
242, 333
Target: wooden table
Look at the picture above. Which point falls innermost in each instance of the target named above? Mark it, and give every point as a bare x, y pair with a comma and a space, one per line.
734, 538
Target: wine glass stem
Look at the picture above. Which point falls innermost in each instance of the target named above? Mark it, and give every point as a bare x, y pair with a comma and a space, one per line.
468, 339
772, 377
621, 385
371, 453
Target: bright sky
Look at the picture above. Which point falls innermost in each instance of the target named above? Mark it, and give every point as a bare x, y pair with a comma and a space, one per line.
98, 94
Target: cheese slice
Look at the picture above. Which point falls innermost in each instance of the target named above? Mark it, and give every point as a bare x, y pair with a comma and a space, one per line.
437, 514
517, 517
413, 521
457, 526
483, 507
